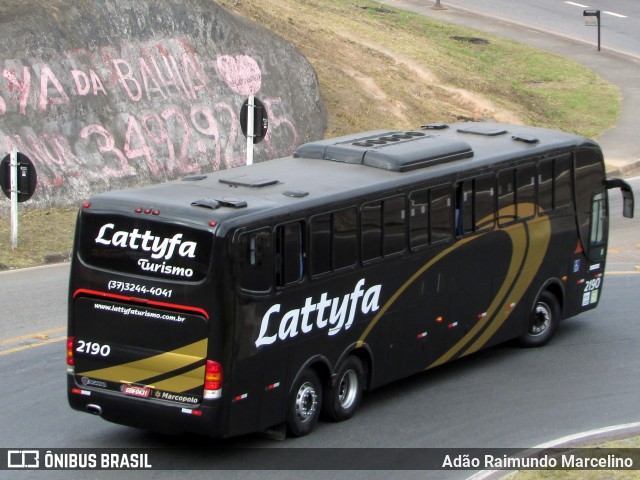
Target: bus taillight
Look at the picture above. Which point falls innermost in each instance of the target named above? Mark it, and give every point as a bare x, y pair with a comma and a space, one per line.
70, 360
212, 380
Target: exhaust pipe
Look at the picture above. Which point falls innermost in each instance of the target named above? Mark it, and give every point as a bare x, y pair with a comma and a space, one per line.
94, 409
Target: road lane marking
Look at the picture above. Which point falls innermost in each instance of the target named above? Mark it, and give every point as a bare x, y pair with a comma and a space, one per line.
43, 335
32, 345
580, 5
577, 4
619, 15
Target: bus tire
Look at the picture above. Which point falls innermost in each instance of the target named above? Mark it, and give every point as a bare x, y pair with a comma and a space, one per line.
543, 321
305, 404
344, 396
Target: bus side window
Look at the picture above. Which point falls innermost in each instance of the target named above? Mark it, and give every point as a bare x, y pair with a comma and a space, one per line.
597, 238
506, 197
371, 231
255, 258
562, 182
289, 253
320, 233
464, 208
484, 203
334, 241
345, 238
395, 229
419, 218
440, 214
526, 193
545, 186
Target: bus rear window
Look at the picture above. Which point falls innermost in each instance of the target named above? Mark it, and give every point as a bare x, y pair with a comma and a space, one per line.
139, 247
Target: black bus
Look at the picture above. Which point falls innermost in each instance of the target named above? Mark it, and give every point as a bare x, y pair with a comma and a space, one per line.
273, 294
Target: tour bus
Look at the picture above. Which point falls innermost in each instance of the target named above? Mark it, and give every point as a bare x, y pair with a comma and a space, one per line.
275, 294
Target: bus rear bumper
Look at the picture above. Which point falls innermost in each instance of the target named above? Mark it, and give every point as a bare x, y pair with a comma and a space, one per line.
147, 414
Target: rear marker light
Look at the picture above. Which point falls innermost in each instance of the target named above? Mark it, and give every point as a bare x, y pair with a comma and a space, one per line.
213, 223
212, 380
86, 204
147, 211
70, 359
156, 212
138, 210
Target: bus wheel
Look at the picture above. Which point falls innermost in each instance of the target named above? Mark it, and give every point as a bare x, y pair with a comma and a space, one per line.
543, 321
304, 404
344, 396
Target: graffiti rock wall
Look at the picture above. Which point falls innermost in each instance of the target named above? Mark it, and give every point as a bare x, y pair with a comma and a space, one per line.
105, 94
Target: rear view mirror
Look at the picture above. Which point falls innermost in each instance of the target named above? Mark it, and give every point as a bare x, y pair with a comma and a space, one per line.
627, 195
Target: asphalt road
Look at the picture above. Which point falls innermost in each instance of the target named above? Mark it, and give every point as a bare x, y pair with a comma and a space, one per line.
618, 19
504, 397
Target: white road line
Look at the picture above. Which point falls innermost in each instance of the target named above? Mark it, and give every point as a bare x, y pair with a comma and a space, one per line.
577, 4
619, 15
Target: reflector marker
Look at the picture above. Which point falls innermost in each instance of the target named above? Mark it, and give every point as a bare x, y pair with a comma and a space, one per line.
197, 413
273, 386
453, 325
79, 391
240, 397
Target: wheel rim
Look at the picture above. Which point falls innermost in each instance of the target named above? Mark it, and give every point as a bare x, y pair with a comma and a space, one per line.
306, 402
541, 319
348, 389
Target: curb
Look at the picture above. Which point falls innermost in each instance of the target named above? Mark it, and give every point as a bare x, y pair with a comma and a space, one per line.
624, 171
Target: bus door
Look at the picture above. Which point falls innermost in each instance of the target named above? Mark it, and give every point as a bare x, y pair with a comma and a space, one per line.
592, 215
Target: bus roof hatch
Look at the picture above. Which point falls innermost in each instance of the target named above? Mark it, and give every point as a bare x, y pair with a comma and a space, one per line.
388, 150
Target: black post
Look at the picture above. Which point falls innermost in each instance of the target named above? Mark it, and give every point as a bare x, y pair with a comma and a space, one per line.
593, 13
598, 17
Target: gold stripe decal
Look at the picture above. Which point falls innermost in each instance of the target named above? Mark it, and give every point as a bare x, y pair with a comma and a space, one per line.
407, 284
529, 248
530, 242
138, 370
182, 383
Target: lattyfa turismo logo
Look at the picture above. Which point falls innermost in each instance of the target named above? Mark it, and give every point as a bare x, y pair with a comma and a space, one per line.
23, 459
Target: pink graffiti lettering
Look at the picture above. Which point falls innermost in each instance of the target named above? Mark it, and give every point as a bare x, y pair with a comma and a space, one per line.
127, 80
241, 73
84, 83
48, 77
108, 145
134, 135
233, 135
147, 76
192, 71
198, 113
22, 87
